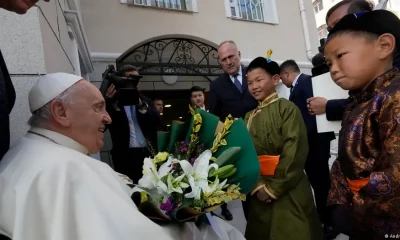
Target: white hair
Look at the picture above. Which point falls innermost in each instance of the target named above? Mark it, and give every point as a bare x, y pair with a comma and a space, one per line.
43, 115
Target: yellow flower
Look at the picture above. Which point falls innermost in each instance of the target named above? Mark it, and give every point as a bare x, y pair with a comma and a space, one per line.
143, 197
161, 157
197, 128
197, 119
192, 110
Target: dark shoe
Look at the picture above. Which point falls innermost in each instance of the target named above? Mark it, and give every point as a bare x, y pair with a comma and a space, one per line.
227, 214
330, 232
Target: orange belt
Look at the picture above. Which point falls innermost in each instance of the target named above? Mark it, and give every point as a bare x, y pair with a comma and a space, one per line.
356, 185
268, 164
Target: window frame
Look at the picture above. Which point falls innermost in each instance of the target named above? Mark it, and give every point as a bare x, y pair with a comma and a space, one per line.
269, 11
191, 5
319, 5
323, 29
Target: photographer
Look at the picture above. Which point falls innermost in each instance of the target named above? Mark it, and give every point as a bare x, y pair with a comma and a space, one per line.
133, 128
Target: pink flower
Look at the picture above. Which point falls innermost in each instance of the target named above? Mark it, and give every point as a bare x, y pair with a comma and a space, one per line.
168, 206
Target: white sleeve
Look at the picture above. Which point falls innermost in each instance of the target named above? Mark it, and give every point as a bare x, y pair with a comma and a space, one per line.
74, 202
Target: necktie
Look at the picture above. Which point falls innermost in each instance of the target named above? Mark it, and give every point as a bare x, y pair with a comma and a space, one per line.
138, 132
291, 89
237, 83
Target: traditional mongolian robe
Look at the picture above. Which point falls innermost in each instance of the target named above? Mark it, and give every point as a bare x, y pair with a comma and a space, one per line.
280, 136
366, 175
50, 189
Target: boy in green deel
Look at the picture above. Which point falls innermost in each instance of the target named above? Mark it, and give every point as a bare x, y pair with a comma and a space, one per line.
281, 205
365, 178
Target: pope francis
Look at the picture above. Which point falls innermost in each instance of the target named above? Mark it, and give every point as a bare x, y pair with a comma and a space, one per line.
50, 188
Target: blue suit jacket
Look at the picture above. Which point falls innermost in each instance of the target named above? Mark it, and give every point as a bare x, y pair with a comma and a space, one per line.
300, 93
226, 99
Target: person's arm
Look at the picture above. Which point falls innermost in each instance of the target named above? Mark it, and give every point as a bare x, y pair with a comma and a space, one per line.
10, 91
73, 201
339, 192
306, 92
214, 104
290, 168
335, 109
383, 186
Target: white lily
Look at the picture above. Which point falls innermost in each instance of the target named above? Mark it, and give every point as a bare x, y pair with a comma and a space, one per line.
152, 178
176, 184
215, 186
198, 173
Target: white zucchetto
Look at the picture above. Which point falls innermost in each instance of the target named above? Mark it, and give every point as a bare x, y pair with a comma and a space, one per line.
48, 87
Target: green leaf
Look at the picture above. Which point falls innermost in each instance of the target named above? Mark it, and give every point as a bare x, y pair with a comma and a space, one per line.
164, 179
229, 156
210, 173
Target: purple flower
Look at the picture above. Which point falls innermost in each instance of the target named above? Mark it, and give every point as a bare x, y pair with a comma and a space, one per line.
184, 149
192, 160
168, 206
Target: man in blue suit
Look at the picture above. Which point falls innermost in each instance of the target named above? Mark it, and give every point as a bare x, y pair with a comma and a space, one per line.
317, 163
229, 94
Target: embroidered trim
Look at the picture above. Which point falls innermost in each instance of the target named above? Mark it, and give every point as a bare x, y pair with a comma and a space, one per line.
265, 103
270, 192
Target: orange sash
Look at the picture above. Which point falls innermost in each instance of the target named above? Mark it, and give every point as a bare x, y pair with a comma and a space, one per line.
356, 185
268, 164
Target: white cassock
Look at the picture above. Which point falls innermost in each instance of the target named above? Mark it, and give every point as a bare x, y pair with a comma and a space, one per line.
51, 189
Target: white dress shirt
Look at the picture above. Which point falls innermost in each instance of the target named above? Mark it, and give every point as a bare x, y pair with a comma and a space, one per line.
295, 81
137, 139
239, 76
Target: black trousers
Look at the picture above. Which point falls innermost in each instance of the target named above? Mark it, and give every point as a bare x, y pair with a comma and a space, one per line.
317, 170
130, 162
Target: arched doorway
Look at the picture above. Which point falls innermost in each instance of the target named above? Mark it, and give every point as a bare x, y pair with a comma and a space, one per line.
171, 65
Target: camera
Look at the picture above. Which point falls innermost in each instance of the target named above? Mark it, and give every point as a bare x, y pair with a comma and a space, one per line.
318, 61
126, 87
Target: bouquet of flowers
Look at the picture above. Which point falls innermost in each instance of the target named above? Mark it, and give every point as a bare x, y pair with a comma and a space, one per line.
200, 165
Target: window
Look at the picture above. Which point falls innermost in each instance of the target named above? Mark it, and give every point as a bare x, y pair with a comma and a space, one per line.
322, 32
185, 5
318, 6
253, 10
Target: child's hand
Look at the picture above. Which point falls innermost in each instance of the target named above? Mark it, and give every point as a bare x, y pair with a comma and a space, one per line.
263, 196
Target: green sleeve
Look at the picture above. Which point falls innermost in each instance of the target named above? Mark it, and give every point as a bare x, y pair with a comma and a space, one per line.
289, 170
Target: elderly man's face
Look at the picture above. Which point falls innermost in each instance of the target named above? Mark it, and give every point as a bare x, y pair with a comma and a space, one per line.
18, 6
87, 117
229, 58
336, 16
